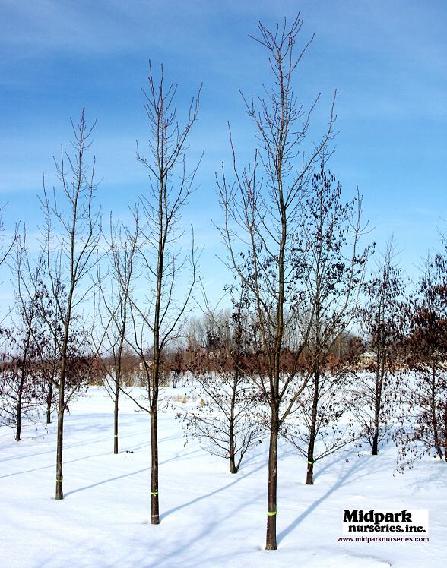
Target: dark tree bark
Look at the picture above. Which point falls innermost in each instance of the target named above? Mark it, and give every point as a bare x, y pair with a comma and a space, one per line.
22, 380
433, 411
445, 431
19, 415
49, 401
377, 406
61, 407
233, 467
272, 482
116, 411
313, 429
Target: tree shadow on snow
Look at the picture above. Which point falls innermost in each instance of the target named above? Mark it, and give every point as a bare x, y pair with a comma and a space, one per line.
52, 465
124, 475
82, 443
359, 468
186, 546
239, 477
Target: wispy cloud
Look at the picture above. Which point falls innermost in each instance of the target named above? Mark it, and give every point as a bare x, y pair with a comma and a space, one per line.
387, 60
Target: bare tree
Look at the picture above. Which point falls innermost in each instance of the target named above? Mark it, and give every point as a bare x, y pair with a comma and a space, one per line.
23, 390
334, 263
382, 322
52, 297
30, 327
156, 317
263, 224
114, 311
224, 418
72, 230
423, 417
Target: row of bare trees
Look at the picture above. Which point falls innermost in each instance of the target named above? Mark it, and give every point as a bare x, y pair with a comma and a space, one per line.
31, 344
389, 384
284, 361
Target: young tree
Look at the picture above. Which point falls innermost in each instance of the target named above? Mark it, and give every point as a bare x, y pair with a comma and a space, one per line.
22, 388
114, 311
382, 323
19, 381
72, 230
157, 315
50, 364
423, 420
224, 418
334, 264
52, 300
26, 335
262, 222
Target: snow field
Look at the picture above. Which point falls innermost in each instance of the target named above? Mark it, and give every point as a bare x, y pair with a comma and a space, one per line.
210, 518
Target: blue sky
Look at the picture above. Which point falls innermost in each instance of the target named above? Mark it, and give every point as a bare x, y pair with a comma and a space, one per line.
386, 58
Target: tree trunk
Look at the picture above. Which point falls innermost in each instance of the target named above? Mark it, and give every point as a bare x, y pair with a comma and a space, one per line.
272, 488
434, 418
61, 407
380, 370
233, 467
155, 376
375, 438
20, 393
60, 433
118, 376
49, 401
445, 431
375, 443
19, 415
116, 413
313, 430
155, 510
19, 406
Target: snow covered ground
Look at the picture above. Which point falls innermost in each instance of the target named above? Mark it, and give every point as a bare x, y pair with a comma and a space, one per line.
210, 518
